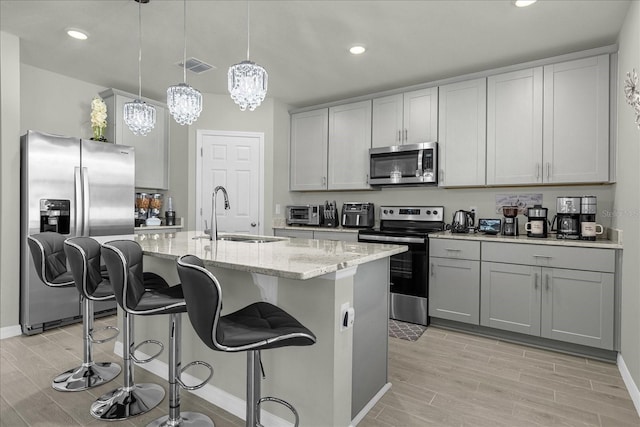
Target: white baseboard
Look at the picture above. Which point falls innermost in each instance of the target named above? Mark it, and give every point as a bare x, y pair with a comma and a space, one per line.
10, 331
210, 393
632, 387
370, 404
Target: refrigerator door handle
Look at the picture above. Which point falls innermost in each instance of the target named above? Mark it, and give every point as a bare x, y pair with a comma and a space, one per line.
85, 202
78, 216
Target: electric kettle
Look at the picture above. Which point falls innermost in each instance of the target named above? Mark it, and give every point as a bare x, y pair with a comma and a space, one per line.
463, 222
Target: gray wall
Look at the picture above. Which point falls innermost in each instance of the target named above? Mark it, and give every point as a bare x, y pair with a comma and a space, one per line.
9, 179
627, 195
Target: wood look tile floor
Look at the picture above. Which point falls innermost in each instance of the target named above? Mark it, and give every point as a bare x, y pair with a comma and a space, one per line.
444, 379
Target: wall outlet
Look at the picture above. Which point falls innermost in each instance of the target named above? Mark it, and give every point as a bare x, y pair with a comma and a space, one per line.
277, 208
347, 316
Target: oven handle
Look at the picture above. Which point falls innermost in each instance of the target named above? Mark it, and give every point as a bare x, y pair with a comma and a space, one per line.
391, 239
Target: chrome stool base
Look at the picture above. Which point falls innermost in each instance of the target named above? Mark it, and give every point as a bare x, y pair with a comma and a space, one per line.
86, 376
122, 403
187, 419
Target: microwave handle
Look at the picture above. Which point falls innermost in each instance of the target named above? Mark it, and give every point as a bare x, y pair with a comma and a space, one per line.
420, 155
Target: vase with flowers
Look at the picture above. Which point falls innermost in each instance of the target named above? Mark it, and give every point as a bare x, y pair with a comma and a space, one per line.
98, 119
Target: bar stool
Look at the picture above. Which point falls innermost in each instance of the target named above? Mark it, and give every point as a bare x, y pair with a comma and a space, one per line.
124, 263
84, 259
257, 327
50, 260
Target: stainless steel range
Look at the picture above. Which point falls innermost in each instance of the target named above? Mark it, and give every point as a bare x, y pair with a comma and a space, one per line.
409, 277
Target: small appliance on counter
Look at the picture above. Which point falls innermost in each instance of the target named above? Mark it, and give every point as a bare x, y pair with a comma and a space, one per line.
490, 225
537, 225
463, 222
170, 214
568, 218
155, 205
330, 214
510, 225
141, 213
407, 164
304, 214
588, 227
358, 215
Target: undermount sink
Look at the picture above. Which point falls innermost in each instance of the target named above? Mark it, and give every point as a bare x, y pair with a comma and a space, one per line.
250, 239
244, 239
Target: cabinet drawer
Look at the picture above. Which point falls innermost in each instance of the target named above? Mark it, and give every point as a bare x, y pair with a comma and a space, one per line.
459, 249
285, 232
590, 259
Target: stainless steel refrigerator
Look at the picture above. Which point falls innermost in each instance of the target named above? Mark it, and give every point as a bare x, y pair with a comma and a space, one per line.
77, 188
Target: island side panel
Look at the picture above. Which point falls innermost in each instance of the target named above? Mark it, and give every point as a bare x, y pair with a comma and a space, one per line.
370, 332
315, 379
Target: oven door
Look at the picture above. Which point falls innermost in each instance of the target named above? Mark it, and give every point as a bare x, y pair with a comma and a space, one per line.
409, 277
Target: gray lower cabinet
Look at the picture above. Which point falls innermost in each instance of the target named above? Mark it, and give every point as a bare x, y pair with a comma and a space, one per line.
566, 304
454, 280
333, 234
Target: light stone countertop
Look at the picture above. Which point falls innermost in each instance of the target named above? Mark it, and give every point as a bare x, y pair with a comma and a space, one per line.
339, 229
299, 259
551, 240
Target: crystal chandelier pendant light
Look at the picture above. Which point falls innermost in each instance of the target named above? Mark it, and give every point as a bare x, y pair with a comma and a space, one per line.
139, 116
247, 80
183, 101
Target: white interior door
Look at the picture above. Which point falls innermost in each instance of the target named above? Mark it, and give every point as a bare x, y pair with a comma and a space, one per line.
235, 161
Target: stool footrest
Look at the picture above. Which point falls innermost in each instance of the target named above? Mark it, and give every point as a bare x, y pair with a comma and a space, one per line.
95, 341
197, 386
281, 402
140, 361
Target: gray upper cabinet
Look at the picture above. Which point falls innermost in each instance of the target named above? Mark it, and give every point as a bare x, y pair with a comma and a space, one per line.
405, 118
454, 280
462, 133
349, 144
309, 148
514, 127
576, 121
152, 150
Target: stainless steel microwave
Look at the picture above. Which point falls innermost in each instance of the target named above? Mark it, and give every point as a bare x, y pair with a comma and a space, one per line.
409, 164
304, 214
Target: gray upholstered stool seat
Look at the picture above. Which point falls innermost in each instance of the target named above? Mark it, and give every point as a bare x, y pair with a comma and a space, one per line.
136, 296
50, 260
257, 327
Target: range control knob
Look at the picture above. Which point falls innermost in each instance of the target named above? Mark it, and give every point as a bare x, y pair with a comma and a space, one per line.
386, 211
391, 211
429, 212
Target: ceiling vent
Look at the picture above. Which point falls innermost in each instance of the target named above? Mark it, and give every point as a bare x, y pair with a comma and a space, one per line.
196, 66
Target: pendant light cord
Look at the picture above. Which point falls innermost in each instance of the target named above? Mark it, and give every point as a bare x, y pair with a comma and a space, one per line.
248, 31
184, 55
140, 50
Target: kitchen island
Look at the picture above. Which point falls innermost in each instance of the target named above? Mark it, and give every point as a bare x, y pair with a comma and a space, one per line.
332, 383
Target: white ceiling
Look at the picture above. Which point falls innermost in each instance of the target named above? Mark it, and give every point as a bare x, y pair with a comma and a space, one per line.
303, 44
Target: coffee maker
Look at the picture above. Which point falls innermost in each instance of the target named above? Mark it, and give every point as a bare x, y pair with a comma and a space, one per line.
537, 224
588, 227
568, 218
510, 223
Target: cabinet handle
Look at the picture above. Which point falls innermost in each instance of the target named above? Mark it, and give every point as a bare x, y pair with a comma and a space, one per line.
324, 180
542, 256
537, 171
441, 177
546, 281
367, 178
548, 170
452, 250
399, 135
406, 135
535, 280
431, 272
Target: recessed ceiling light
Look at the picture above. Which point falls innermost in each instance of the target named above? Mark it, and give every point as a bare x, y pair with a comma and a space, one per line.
77, 33
357, 50
524, 3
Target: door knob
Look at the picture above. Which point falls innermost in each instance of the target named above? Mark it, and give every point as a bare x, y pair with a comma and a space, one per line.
253, 224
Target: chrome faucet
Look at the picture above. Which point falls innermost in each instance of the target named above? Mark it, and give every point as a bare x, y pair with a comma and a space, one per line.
213, 233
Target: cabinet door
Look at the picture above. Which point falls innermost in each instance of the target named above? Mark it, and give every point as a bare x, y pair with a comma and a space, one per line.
152, 150
576, 121
421, 116
287, 232
578, 306
309, 142
387, 121
510, 297
462, 144
349, 144
335, 235
514, 127
454, 290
